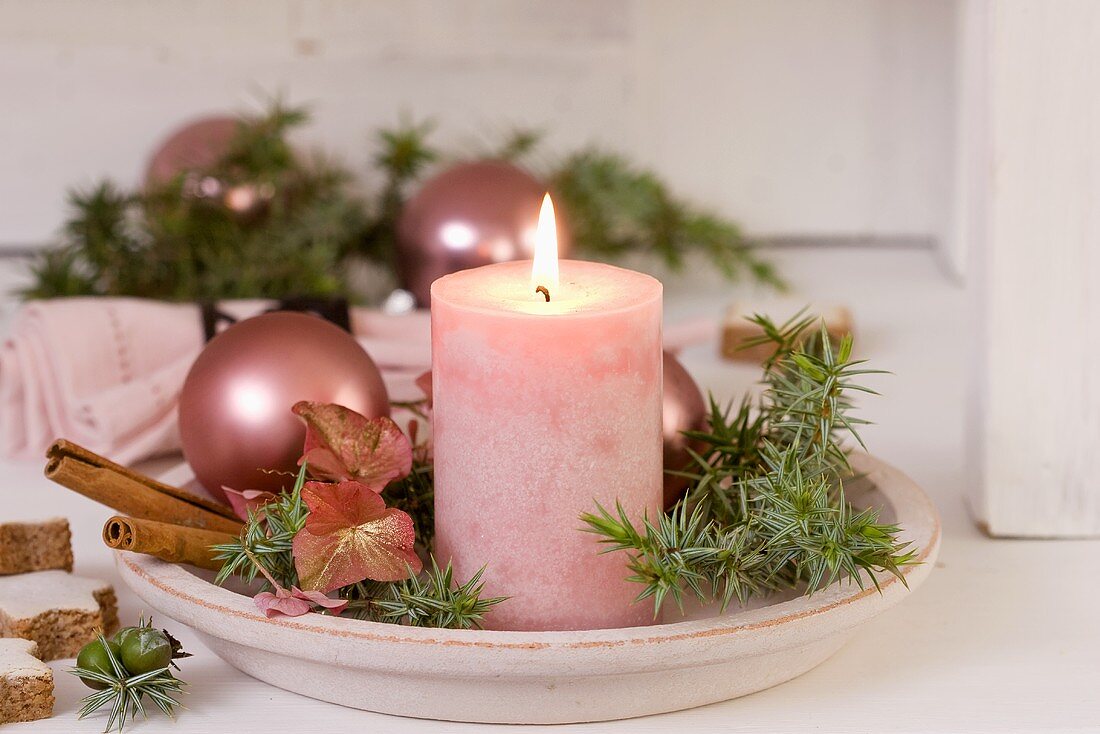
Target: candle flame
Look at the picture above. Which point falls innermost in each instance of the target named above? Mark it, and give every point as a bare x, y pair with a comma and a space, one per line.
544, 269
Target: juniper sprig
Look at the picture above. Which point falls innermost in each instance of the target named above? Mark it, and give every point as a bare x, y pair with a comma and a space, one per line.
765, 509
267, 539
431, 599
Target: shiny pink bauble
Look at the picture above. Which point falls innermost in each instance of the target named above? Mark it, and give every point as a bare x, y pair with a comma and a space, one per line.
683, 409
234, 410
472, 214
196, 146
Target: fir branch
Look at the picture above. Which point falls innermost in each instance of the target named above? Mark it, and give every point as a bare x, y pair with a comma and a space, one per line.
403, 151
58, 273
175, 242
665, 554
183, 241
517, 144
402, 158
260, 149
615, 208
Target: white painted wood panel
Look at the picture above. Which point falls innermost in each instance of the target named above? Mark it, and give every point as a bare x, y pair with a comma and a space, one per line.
796, 117
1037, 387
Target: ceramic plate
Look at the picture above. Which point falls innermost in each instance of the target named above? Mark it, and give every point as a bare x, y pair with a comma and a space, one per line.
546, 677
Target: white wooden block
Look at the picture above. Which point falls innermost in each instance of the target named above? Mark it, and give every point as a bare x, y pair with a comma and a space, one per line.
1036, 427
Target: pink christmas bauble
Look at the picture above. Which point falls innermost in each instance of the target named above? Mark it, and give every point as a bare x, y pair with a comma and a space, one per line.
195, 146
234, 409
470, 215
683, 409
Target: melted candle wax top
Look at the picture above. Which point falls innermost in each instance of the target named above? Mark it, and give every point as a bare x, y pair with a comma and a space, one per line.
585, 287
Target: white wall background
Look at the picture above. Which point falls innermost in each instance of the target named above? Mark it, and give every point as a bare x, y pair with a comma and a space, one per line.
813, 117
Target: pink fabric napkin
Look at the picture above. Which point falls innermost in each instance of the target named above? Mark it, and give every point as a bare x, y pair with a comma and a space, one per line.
106, 372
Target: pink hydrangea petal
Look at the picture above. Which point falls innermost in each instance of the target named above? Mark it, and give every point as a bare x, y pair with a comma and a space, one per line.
324, 464
249, 499
350, 535
342, 444
281, 602
336, 606
333, 507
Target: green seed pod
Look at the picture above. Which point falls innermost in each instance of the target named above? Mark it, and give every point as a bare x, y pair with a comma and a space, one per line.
94, 657
144, 649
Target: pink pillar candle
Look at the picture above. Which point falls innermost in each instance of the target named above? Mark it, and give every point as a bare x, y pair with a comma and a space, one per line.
541, 410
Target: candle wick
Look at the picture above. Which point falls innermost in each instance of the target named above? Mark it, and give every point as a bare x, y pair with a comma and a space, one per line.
544, 291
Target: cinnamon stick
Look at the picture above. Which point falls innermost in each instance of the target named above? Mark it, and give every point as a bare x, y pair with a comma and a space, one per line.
132, 493
172, 543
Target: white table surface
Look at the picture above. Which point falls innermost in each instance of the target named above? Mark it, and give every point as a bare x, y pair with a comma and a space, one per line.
1004, 636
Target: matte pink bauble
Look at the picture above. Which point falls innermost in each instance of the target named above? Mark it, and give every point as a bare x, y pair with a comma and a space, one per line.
470, 215
683, 410
196, 146
234, 410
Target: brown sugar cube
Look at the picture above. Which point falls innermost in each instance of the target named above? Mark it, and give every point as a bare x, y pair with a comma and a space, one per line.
35, 546
736, 328
59, 611
26, 683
